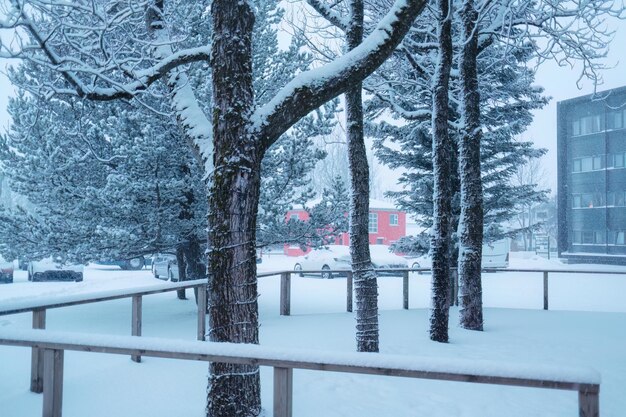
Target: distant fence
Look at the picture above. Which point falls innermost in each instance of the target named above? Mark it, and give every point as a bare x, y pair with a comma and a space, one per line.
285, 283
38, 309
53, 345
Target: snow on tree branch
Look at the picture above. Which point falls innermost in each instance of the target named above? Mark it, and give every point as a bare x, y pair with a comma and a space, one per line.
312, 88
94, 52
327, 12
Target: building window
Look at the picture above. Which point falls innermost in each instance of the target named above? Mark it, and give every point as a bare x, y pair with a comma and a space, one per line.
372, 226
393, 219
591, 237
598, 162
616, 237
294, 216
599, 237
380, 240
616, 120
576, 128
616, 198
577, 237
588, 200
587, 125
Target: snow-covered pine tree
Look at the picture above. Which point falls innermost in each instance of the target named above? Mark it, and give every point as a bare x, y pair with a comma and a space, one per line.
102, 181
111, 64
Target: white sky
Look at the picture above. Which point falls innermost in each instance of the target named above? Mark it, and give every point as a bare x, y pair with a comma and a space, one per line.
559, 83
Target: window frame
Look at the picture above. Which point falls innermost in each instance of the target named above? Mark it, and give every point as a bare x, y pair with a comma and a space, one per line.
372, 223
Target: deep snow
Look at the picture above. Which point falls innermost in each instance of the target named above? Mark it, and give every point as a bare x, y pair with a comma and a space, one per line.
585, 327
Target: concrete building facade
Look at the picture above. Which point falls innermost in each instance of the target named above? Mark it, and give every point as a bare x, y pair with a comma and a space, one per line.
591, 143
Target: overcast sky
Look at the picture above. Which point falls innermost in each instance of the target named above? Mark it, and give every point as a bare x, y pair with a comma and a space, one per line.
559, 83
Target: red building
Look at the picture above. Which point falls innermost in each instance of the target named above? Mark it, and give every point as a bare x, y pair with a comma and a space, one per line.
386, 225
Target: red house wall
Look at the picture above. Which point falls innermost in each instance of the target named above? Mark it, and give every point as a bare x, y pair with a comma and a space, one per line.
295, 250
386, 234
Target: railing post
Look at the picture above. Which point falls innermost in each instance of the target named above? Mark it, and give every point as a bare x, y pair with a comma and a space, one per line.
285, 293
136, 322
36, 360
52, 383
283, 392
589, 401
349, 291
545, 290
405, 290
202, 302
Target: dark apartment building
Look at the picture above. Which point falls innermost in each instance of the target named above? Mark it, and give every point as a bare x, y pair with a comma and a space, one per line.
591, 142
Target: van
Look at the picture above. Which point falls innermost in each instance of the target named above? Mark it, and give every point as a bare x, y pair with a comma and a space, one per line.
496, 254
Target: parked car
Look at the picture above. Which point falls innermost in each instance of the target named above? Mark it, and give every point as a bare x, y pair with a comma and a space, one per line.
383, 258
132, 264
6, 271
160, 266
338, 257
324, 259
54, 270
165, 267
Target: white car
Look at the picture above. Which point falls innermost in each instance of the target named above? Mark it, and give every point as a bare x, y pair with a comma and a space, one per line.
161, 266
54, 270
6, 271
334, 257
383, 258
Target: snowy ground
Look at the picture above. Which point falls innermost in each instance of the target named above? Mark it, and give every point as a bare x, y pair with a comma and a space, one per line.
584, 327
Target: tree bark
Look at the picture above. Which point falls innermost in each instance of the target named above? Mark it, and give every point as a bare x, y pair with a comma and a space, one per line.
181, 263
365, 282
442, 148
471, 220
234, 390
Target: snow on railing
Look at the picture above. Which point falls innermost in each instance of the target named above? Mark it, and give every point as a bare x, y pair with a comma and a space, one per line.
39, 306
53, 344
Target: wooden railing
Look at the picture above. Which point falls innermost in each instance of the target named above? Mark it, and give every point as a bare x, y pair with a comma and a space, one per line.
38, 309
53, 345
285, 282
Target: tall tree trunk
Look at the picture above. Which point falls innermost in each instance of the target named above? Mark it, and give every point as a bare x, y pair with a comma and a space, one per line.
365, 282
234, 390
181, 263
442, 153
196, 268
471, 221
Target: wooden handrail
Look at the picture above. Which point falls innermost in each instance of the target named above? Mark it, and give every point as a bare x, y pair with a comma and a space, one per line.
94, 297
400, 270
39, 308
585, 381
285, 282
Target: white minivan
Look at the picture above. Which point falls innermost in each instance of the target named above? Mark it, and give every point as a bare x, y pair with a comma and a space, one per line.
496, 254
